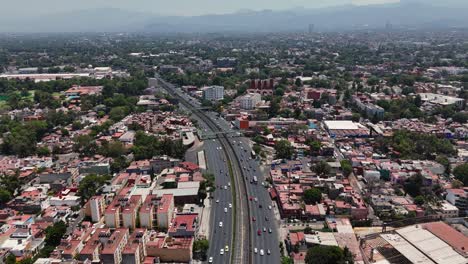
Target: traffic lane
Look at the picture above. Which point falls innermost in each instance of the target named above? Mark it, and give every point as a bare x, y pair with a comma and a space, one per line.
221, 235
266, 241
225, 197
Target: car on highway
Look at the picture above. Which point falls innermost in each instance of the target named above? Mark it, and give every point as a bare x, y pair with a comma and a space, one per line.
269, 230
260, 206
264, 229
256, 200
266, 218
253, 219
262, 252
268, 252
217, 200
220, 224
255, 250
226, 248
225, 209
225, 187
250, 198
259, 232
210, 260
230, 205
229, 184
269, 207
221, 252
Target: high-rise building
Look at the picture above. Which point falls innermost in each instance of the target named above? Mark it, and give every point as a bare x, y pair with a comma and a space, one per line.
98, 206
213, 93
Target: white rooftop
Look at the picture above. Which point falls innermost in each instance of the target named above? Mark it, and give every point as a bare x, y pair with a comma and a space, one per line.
341, 124
406, 249
430, 245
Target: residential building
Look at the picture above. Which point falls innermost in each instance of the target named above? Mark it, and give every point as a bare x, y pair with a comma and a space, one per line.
213, 93
459, 198
97, 206
249, 101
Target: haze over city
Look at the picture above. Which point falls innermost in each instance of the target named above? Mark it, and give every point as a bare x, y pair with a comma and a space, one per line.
234, 132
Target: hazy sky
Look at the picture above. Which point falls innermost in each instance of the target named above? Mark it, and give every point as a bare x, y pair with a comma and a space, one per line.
164, 7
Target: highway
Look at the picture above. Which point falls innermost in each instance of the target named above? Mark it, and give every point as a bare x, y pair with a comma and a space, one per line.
264, 217
224, 164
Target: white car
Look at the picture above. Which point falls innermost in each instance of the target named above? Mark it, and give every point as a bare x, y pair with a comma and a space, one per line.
220, 224
221, 252
262, 252
229, 184
269, 207
268, 252
217, 200
225, 187
225, 209
255, 250
210, 260
230, 205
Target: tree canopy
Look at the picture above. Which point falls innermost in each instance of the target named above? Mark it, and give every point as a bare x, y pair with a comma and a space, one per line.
461, 173
328, 255
283, 149
312, 196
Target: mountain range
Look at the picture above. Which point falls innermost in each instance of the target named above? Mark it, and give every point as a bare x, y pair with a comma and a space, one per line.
407, 13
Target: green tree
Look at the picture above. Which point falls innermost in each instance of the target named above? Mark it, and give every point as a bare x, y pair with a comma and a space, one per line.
312, 196
90, 184
118, 113
419, 200
461, 173
200, 248
113, 149
55, 233
346, 167
322, 168
460, 117
356, 117
5, 196
43, 151
413, 185
85, 145
11, 259
328, 255
298, 82
283, 149
286, 260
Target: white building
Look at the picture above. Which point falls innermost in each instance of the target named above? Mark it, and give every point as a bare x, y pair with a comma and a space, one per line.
442, 100
213, 93
249, 101
447, 210
97, 205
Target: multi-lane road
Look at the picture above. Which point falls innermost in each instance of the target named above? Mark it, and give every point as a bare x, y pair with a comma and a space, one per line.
242, 207
264, 230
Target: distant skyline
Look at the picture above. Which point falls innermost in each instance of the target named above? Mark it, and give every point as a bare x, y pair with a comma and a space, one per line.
28, 8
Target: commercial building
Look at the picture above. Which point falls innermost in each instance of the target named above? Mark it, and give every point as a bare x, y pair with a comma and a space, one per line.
213, 93
442, 100
434, 242
345, 128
